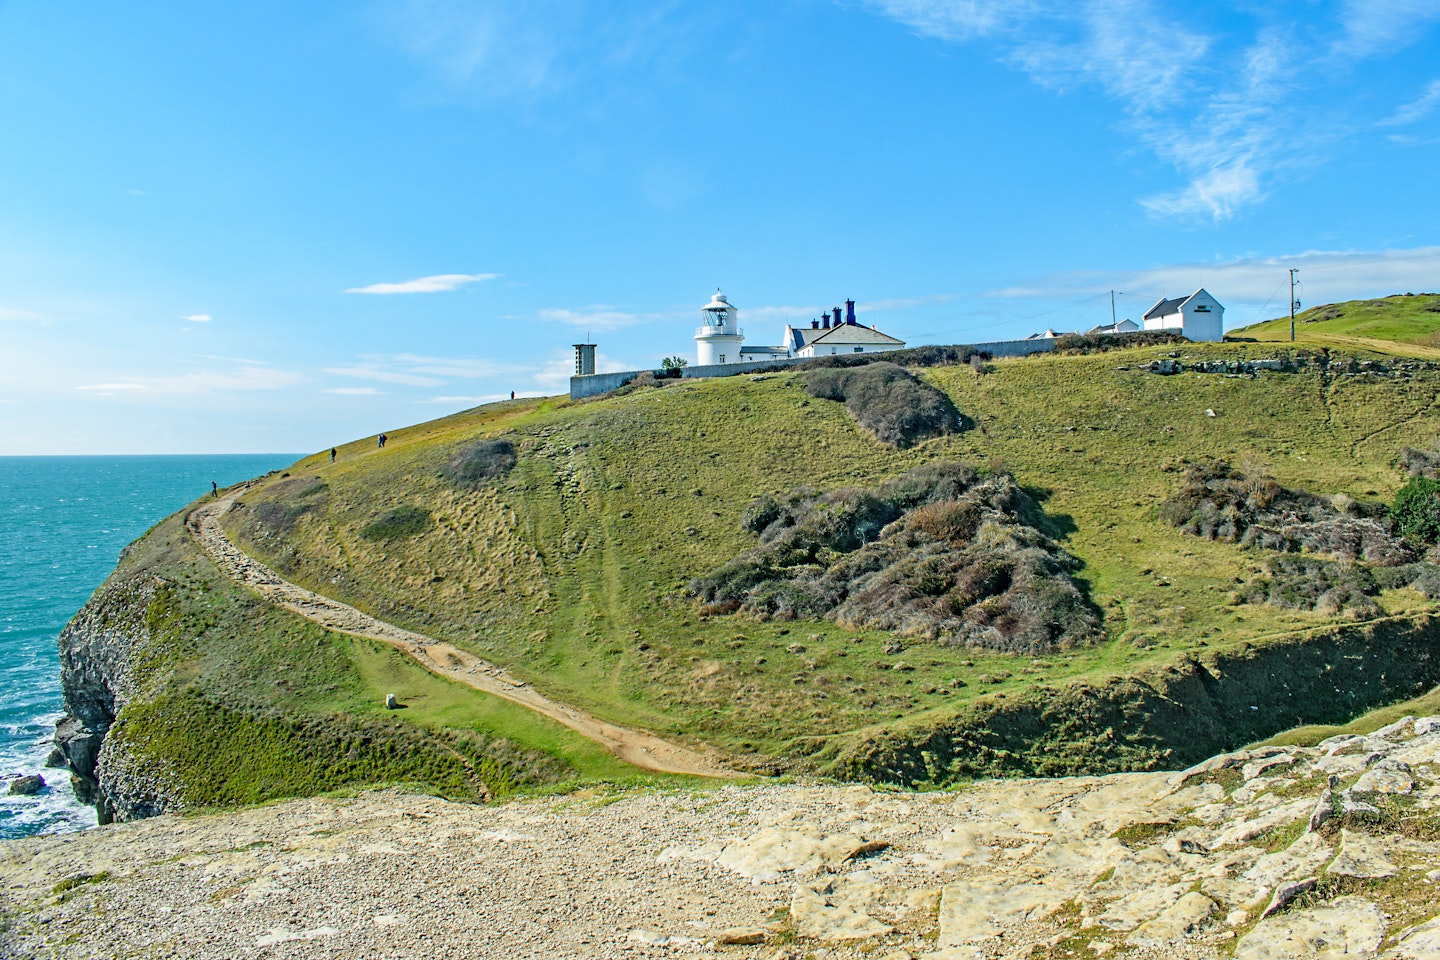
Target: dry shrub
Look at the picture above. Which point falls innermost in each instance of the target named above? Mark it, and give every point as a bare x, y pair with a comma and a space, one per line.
943, 553
286, 502
888, 401
478, 462
1085, 343
1219, 502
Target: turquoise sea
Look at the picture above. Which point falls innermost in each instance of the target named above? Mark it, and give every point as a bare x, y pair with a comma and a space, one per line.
63, 523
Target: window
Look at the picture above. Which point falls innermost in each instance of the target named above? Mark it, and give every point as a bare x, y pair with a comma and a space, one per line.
832, 349
722, 358
859, 349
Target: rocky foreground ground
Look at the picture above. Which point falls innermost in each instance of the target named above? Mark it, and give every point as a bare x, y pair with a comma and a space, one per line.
1329, 851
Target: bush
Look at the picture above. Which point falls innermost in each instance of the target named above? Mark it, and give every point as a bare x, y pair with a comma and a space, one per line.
286, 503
942, 552
888, 401
1310, 583
1218, 502
397, 524
1084, 343
479, 462
1416, 510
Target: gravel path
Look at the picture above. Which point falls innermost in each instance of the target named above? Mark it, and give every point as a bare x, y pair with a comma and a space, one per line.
443, 659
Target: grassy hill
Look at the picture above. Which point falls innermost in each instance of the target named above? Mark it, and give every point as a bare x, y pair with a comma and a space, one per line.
561, 541
1405, 325
571, 569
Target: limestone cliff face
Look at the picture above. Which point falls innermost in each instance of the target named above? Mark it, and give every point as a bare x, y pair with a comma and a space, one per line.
99, 649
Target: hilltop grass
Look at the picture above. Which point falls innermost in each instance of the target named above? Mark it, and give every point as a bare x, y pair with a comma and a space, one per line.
571, 568
1400, 325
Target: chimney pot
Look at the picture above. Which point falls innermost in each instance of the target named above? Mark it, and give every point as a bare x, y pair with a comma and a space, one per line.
836, 311
850, 311
825, 322
814, 324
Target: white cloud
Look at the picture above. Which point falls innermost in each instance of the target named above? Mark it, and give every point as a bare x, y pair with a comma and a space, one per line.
554, 376
10, 314
355, 391
1229, 132
439, 283
1417, 109
1250, 286
198, 318
384, 376
594, 318
241, 378
1382, 26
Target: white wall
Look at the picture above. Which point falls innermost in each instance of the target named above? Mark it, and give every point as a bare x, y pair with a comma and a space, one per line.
1204, 319
712, 348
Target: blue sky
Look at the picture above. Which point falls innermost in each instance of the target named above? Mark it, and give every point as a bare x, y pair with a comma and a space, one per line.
279, 226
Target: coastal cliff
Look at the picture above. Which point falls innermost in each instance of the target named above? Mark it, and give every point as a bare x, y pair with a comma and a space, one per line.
98, 650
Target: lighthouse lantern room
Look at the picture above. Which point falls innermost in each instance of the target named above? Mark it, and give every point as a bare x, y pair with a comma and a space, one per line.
719, 336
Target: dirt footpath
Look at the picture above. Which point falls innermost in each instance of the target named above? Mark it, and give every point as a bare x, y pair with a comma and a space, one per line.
633, 746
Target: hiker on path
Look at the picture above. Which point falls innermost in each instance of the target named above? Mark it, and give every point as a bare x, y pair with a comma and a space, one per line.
383, 438
214, 489
332, 454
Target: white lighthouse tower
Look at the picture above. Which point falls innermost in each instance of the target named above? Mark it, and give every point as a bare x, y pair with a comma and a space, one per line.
719, 336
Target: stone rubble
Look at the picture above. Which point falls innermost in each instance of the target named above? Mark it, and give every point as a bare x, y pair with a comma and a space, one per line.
1232, 857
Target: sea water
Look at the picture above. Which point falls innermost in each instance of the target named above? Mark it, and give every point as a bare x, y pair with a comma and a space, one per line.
63, 523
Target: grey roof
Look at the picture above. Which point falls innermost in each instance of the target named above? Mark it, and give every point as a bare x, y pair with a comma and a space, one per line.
1165, 307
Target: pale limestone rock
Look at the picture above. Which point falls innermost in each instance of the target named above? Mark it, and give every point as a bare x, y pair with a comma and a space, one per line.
1418, 943
1181, 919
1302, 858
776, 850
1256, 767
1344, 766
741, 936
977, 909
819, 919
1287, 892
1426, 725
1134, 909
1396, 730
1347, 928
1387, 776
1247, 830
1361, 856
1324, 810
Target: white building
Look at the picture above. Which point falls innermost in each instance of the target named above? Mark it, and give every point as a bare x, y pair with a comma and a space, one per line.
719, 338
1197, 317
1120, 326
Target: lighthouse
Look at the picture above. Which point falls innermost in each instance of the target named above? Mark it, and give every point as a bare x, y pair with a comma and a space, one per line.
718, 338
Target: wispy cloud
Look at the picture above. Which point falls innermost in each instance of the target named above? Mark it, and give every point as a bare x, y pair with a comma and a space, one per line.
1417, 109
554, 376
355, 391
1377, 27
1326, 276
595, 317
8, 314
439, 283
240, 378
198, 318
1230, 133
384, 376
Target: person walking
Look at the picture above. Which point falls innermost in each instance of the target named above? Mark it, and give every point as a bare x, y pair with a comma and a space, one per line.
214, 490
382, 440
332, 454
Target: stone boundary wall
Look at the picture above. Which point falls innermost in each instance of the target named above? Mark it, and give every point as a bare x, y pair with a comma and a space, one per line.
597, 383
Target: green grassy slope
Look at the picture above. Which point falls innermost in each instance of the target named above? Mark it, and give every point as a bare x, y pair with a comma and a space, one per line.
571, 569
1407, 325
238, 701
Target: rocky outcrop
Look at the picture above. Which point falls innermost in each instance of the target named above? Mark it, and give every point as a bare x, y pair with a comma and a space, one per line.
1214, 862
98, 648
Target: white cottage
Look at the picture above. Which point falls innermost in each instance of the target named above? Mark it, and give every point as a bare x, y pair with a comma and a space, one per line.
1197, 317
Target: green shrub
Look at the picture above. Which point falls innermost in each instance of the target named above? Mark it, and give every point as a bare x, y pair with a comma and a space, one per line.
478, 462
286, 503
1416, 510
888, 401
1084, 343
397, 524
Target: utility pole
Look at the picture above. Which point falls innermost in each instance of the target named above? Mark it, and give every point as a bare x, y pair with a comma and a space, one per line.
1112, 312
1293, 303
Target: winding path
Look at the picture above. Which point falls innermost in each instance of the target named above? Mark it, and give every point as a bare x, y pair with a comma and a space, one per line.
442, 659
